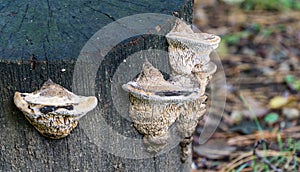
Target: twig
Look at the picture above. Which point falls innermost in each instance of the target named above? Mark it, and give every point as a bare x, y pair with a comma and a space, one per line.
248, 156
293, 132
263, 159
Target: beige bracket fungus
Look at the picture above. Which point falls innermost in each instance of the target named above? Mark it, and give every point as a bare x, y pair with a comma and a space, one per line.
156, 103
53, 110
187, 50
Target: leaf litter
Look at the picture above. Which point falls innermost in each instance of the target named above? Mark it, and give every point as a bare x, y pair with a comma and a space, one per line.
260, 53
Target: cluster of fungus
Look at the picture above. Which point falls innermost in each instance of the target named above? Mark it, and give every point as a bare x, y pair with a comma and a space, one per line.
157, 104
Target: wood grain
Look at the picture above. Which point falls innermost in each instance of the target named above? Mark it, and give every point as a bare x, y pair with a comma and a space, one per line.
41, 40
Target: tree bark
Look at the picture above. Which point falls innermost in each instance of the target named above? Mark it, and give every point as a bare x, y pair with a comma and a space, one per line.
41, 40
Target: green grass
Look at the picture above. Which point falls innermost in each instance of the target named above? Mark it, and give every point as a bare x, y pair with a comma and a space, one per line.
271, 5
279, 161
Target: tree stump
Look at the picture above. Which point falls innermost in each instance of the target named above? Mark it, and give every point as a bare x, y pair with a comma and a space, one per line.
43, 39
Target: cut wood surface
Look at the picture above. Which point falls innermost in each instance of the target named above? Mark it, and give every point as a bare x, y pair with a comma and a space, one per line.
43, 39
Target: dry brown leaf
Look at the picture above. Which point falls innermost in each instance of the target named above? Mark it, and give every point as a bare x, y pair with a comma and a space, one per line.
215, 149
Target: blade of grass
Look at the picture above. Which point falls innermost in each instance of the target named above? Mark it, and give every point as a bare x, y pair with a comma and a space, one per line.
280, 143
257, 123
252, 112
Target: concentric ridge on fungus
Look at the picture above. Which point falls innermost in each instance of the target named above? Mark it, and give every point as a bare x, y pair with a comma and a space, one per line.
53, 110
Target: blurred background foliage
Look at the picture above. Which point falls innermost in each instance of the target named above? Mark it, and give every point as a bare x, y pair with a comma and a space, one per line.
260, 54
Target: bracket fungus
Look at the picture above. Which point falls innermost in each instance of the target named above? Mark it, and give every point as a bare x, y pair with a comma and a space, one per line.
156, 103
187, 52
53, 110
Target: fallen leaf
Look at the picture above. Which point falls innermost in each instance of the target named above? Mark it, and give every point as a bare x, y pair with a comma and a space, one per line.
278, 102
215, 149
